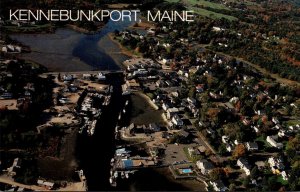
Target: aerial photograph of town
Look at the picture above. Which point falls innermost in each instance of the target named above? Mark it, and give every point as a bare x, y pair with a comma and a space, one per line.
150, 95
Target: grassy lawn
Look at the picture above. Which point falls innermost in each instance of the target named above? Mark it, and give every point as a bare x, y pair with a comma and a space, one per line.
280, 180
212, 14
190, 4
206, 4
173, 1
293, 122
193, 158
261, 139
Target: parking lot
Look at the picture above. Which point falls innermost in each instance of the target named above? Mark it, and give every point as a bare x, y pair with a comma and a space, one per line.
175, 153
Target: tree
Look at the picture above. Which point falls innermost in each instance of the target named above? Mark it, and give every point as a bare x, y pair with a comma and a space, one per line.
222, 149
239, 151
232, 187
254, 172
246, 182
216, 174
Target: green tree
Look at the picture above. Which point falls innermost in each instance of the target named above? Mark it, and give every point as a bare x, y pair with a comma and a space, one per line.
254, 172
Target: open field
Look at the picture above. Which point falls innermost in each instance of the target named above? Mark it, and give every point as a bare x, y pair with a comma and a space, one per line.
194, 5
205, 4
212, 14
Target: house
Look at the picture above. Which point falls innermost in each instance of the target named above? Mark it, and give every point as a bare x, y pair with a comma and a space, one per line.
171, 112
200, 88
154, 127
229, 148
284, 175
45, 184
210, 131
276, 165
11, 171
202, 124
191, 100
225, 139
165, 106
101, 76
255, 128
176, 120
218, 185
204, 166
68, 77
122, 152
244, 165
273, 143
251, 146
275, 120
183, 133
132, 84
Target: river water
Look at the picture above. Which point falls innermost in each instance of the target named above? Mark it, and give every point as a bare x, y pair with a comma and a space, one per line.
68, 50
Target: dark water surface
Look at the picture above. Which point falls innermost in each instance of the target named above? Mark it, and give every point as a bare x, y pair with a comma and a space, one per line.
68, 50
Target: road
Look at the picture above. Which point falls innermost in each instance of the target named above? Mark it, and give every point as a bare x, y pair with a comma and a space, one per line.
8, 180
83, 72
205, 142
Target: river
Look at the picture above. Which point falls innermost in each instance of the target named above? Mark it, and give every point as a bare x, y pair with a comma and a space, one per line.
68, 50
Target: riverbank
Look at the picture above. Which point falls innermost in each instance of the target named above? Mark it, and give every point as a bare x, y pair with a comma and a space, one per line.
144, 24
83, 30
123, 49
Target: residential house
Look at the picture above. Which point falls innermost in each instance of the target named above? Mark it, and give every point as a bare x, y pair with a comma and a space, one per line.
45, 184
251, 146
244, 165
176, 120
171, 112
204, 166
154, 127
284, 175
101, 76
273, 143
276, 165
11, 171
225, 139
218, 185
229, 148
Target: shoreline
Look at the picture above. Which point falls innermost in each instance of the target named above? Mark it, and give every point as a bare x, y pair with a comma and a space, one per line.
123, 49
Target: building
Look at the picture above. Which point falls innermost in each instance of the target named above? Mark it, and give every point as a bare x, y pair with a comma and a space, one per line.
251, 146
45, 184
171, 112
204, 166
273, 143
177, 121
218, 185
276, 165
154, 127
244, 165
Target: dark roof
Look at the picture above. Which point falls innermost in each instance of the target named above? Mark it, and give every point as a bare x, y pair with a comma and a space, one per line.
183, 133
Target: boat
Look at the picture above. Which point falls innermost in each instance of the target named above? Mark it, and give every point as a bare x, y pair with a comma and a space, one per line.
123, 175
116, 174
112, 182
117, 129
127, 174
